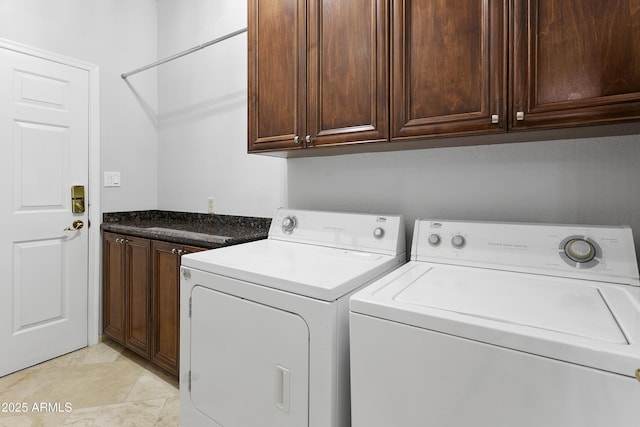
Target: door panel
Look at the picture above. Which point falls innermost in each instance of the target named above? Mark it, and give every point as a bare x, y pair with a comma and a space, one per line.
249, 362
277, 73
448, 68
348, 71
40, 150
33, 304
138, 295
44, 138
575, 62
166, 305
113, 285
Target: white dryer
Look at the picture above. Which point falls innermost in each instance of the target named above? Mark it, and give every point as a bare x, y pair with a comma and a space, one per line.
264, 325
501, 325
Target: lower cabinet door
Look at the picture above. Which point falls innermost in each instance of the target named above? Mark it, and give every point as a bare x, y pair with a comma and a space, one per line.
165, 303
113, 285
138, 296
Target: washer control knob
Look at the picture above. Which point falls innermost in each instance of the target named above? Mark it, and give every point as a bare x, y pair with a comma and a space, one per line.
378, 233
580, 250
434, 239
289, 224
458, 241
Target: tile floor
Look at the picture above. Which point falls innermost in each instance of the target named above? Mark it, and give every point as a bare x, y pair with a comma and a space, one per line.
99, 386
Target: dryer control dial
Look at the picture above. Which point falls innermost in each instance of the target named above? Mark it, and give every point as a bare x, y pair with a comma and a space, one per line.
434, 239
580, 250
289, 224
458, 241
378, 233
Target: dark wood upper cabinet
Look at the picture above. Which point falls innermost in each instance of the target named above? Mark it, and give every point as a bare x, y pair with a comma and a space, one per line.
448, 68
348, 82
337, 73
574, 63
277, 74
318, 73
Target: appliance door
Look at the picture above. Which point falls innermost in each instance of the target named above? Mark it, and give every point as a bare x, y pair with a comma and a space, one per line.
407, 376
249, 362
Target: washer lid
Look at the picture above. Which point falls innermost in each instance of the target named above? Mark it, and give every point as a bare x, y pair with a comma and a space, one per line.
531, 300
584, 322
314, 271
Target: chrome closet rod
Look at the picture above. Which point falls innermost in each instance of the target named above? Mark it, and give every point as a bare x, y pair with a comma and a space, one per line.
186, 52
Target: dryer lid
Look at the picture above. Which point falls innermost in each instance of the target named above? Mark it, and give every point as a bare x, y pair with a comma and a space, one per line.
317, 272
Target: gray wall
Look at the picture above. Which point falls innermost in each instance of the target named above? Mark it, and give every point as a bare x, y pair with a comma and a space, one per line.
583, 181
202, 137
118, 36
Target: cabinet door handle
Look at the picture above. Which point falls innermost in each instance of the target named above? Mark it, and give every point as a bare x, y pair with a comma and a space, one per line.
180, 252
174, 251
495, 118
309, 139
297, 139
520, 116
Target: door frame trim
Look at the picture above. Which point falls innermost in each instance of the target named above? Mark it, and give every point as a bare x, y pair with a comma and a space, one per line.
95, 212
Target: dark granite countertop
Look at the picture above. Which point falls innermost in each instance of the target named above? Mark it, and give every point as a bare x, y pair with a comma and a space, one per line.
196, 229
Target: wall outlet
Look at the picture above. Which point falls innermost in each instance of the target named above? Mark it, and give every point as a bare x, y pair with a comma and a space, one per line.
210, 205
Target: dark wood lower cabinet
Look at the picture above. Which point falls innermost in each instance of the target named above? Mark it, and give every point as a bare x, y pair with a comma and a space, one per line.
166, 303
126, 291
113, 287
141, 296
137, 335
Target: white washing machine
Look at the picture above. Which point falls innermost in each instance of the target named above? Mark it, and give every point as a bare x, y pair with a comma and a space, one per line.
264, 325
501, 325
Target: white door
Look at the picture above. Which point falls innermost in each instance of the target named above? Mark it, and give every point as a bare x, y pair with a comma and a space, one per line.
44, 143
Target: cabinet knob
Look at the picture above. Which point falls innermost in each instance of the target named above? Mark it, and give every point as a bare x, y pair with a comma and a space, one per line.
309, 139
297, 139
174, 251
520, 116
495, 118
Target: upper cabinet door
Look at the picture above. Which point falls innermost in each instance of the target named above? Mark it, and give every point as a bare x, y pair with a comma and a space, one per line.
448, 67
575, 62
277, 74
348, 71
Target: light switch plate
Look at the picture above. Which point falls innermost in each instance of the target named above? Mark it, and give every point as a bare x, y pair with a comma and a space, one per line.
112, 179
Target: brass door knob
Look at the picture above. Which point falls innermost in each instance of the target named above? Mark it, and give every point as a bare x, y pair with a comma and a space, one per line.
77, 225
